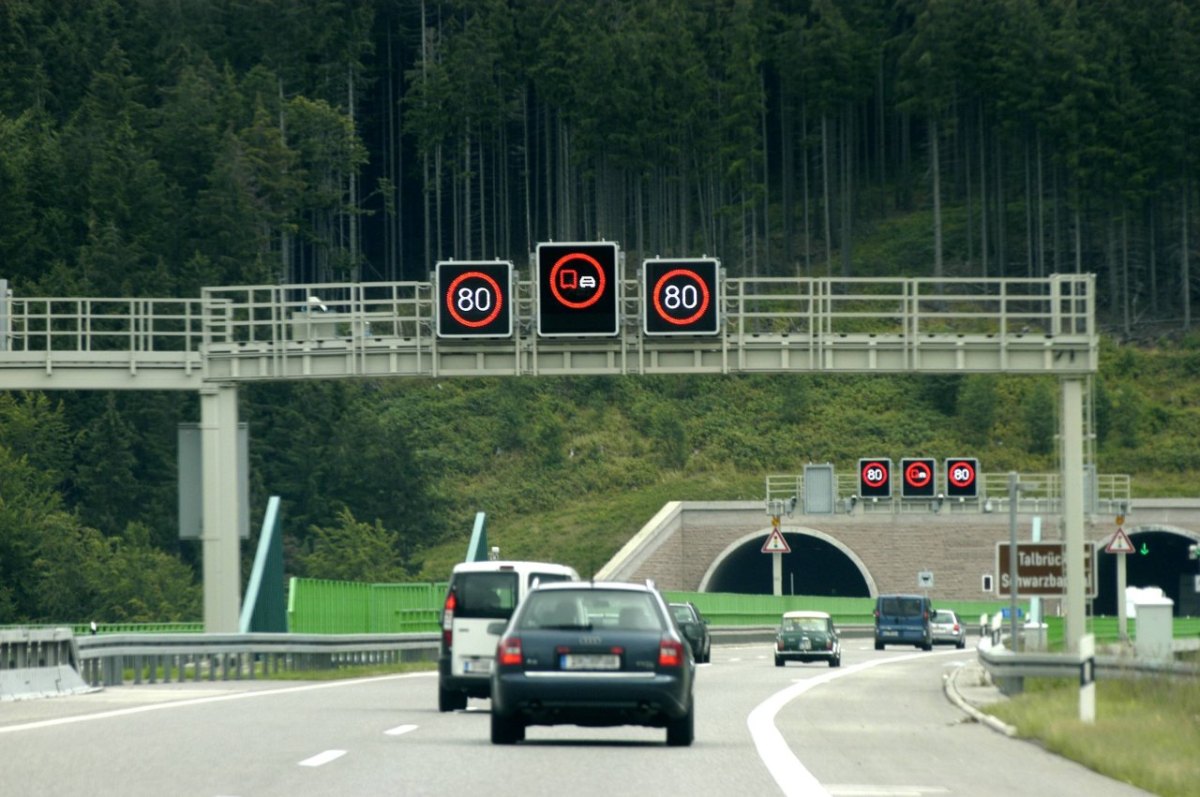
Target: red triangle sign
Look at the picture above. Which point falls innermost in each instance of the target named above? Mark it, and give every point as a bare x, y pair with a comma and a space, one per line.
775, 543
1119, 543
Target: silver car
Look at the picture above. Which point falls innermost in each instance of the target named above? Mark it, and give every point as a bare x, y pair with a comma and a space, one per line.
947, 630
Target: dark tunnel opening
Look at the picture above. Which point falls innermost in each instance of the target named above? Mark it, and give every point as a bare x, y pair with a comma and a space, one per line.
812, 567
1160, 559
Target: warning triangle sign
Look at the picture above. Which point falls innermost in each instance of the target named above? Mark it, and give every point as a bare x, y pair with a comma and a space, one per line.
1119, 543
775, 543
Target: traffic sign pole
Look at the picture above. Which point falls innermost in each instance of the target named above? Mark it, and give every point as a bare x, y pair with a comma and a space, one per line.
1122, 612
1121, 547
776, 564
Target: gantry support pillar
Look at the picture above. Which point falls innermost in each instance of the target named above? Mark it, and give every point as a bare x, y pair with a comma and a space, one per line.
221, 507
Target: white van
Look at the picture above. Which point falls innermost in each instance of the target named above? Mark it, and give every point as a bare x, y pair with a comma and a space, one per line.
481, 593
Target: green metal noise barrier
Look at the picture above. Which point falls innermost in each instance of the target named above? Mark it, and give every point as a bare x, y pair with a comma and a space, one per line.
320, 606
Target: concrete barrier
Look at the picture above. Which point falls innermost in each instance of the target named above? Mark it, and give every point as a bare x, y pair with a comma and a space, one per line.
39, 662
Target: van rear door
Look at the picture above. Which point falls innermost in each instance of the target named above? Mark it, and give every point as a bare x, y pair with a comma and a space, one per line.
480, 598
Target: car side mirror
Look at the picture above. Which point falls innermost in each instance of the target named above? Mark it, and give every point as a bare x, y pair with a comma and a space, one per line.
497, 628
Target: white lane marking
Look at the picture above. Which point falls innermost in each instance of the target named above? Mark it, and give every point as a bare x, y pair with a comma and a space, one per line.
121, 712
855, 790
793, 779
321, 759
400, 730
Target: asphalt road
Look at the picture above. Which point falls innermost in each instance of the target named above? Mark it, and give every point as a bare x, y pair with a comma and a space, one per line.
878, 725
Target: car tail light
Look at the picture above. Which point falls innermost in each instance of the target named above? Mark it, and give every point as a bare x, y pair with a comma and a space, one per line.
508, 652
829, 644
956, 628
670, 653
779, 644
448, 620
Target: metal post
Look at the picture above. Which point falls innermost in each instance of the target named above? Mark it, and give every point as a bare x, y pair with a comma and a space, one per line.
1122, 614
222, 508
776, 564
1072, 508
1013, 492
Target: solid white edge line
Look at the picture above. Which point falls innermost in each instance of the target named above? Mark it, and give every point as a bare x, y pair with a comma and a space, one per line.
793, 779
321, 759
197, 701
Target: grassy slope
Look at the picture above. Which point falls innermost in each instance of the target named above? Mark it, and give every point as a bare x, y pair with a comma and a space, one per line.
1146, 732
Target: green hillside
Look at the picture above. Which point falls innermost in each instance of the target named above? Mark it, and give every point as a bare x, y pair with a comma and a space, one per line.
569, 469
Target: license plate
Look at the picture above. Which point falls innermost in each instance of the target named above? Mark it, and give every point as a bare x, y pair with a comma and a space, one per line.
891, 633
477, 665
806, 644
590, 661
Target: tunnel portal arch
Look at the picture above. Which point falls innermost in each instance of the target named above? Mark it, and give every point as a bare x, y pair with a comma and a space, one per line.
818, 564
1160, 559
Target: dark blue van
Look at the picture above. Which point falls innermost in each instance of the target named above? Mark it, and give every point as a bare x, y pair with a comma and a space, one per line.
903, 620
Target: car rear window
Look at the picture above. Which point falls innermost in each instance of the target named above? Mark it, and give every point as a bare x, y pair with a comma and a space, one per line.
547, 578
900, 607
600, 609
491, 595
683, 614
804, 624
943, 616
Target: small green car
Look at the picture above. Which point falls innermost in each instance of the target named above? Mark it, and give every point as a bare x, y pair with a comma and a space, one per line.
807, 636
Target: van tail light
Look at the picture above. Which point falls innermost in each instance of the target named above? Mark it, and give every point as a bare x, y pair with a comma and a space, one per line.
448, 620
670, 653
508, 652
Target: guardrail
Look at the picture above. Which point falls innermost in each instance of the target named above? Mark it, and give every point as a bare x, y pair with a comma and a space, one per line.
1008, 670
109, 659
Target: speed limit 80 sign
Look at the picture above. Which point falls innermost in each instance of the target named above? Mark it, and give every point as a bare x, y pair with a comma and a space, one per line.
681, 296
875, 478
474, 299
962, 477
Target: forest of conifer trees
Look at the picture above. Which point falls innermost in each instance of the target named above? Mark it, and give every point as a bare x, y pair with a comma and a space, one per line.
151, 148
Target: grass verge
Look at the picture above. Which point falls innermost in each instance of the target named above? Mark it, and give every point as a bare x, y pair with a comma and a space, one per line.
1146, 733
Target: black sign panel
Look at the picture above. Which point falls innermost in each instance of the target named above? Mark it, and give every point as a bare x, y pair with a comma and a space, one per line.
962, 478
577, 289
681, 297
917, 478
474, 299
875, 478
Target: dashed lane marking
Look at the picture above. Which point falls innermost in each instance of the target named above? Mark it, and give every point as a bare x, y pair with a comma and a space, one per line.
321, 759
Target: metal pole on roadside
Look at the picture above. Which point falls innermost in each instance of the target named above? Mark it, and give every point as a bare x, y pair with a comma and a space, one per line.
1013, 492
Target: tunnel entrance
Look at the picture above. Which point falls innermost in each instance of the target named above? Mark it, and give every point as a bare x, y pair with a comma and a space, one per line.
813, 567
1160, 560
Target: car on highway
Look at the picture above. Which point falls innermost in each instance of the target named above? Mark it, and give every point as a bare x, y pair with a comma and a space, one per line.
594, 654
479, 594
806, 636
903, 620
694, 627
947, 629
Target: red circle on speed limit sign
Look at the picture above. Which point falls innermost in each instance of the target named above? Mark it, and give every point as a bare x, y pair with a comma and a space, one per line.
962, 477
875, 474
918, 474
478, 284
961, 473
